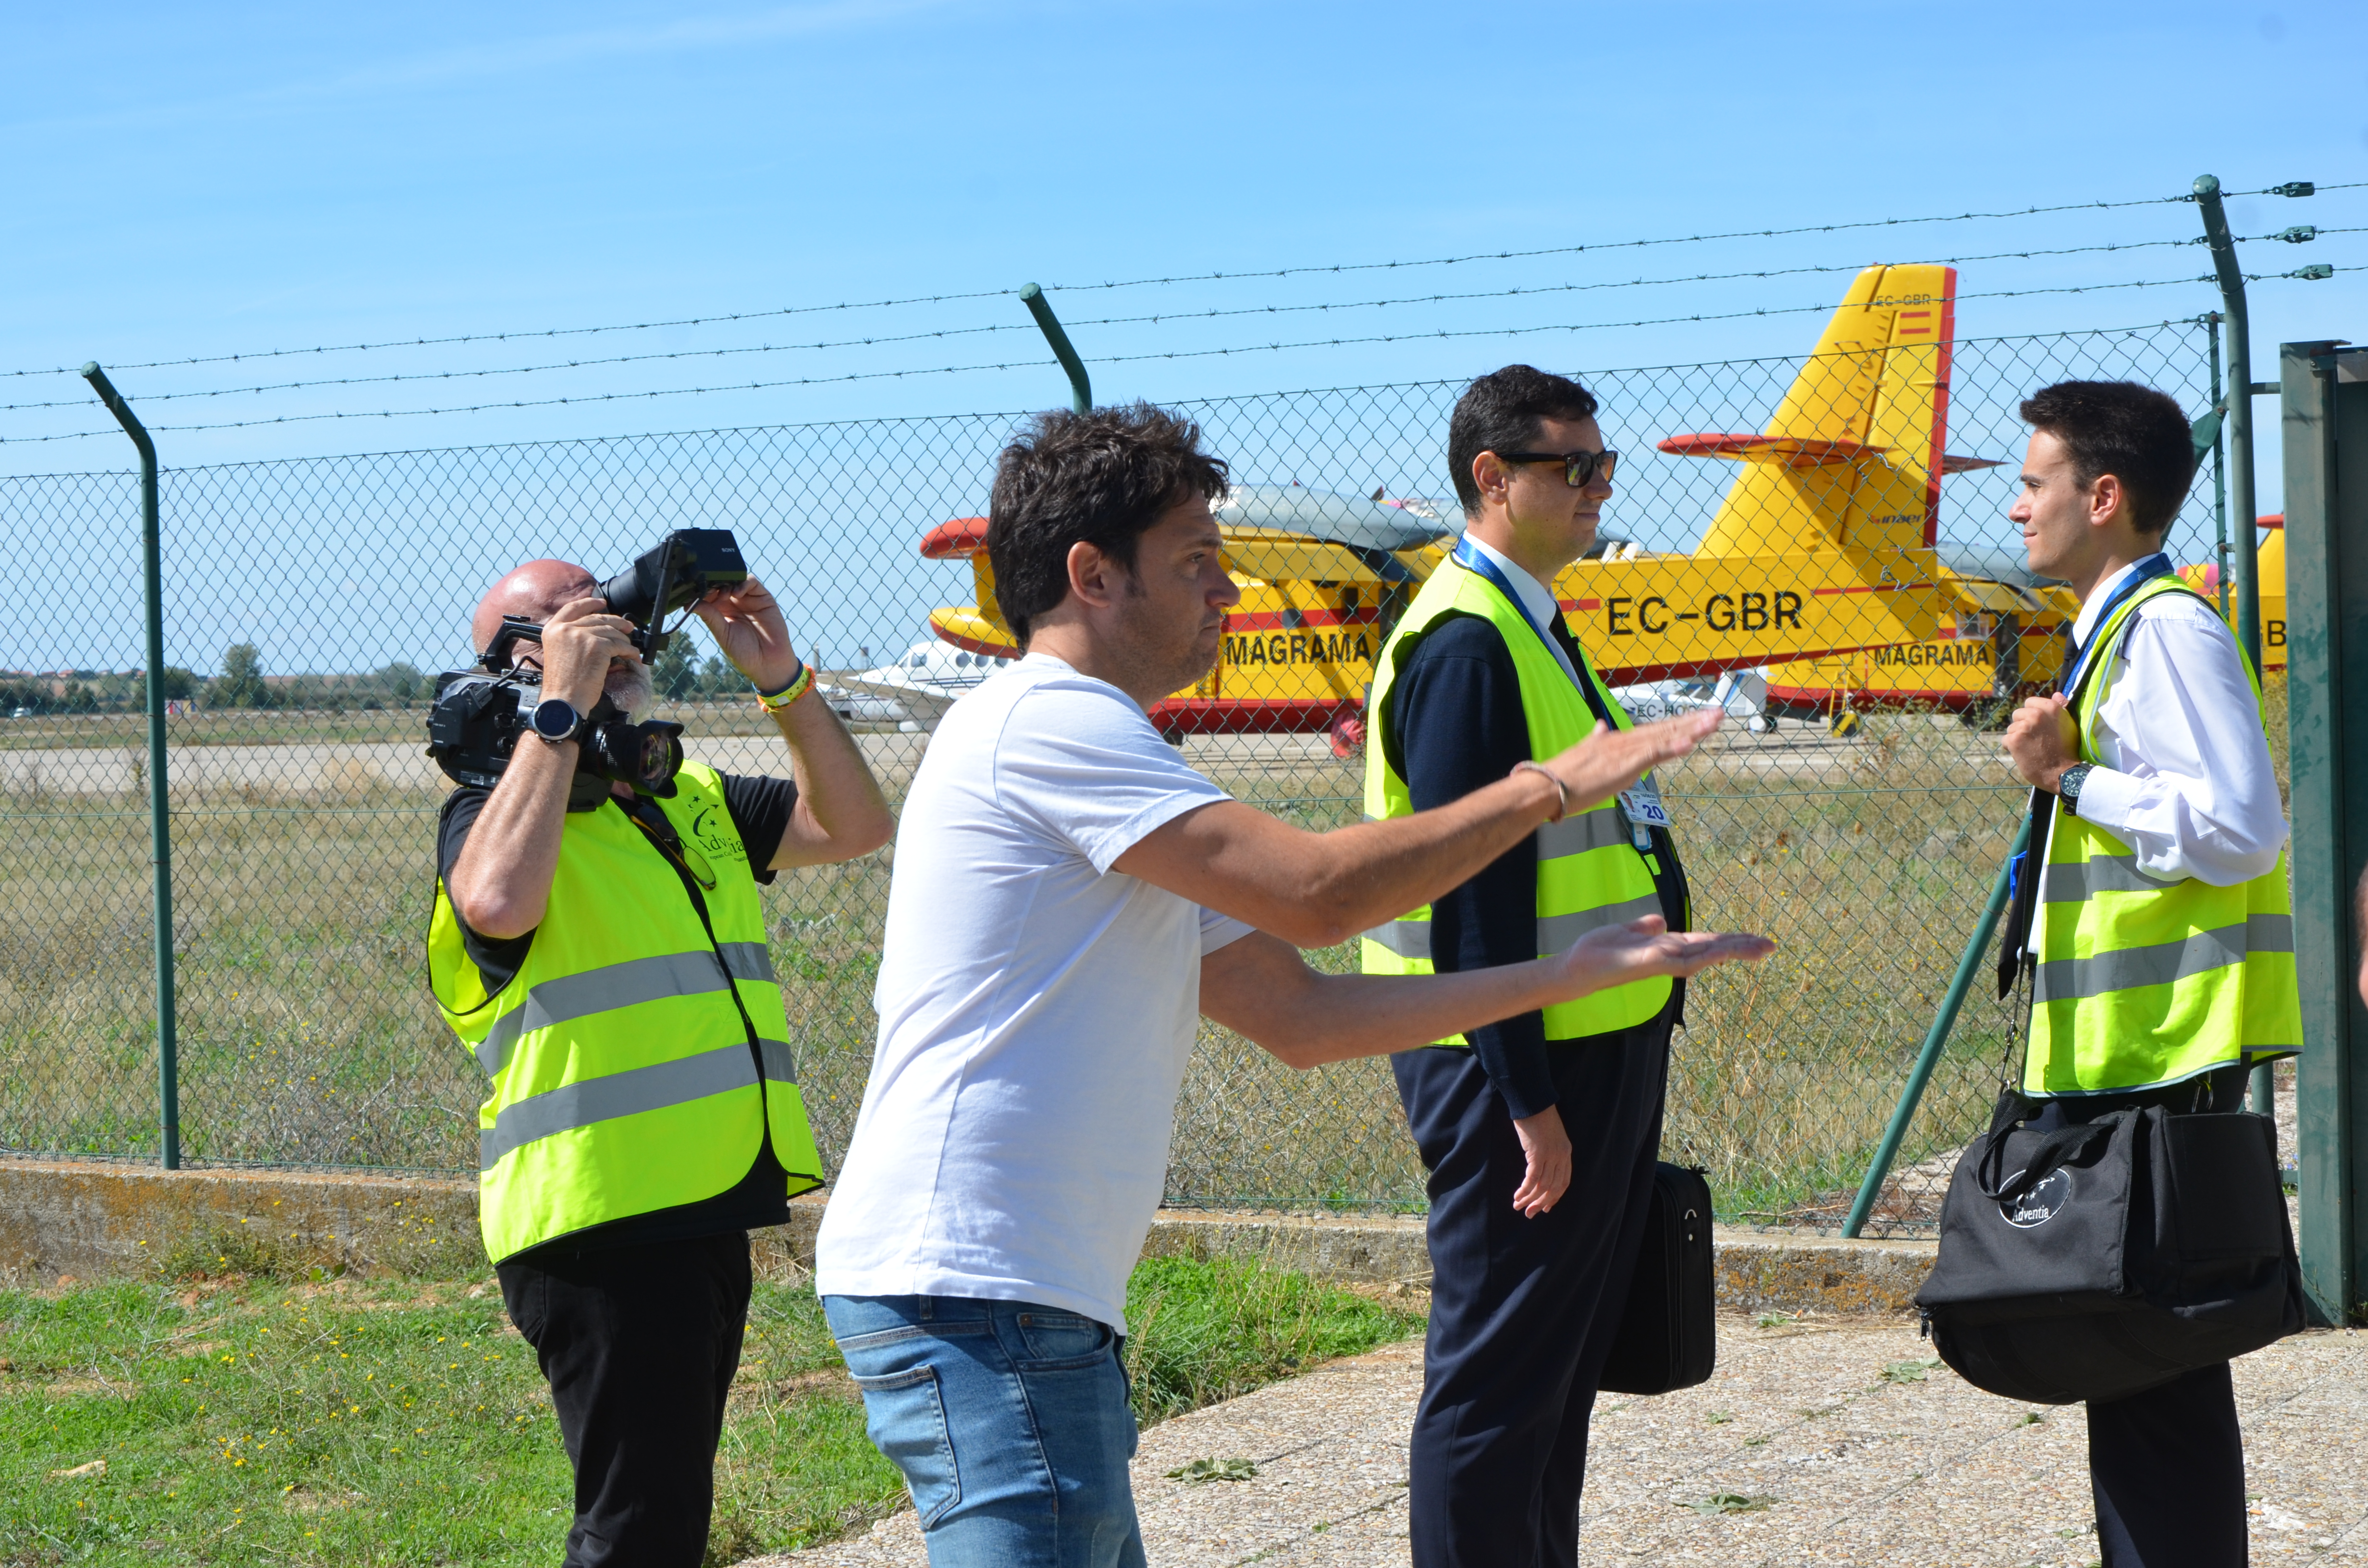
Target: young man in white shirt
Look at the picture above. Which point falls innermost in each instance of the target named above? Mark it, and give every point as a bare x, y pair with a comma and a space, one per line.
2164, 952
1069, 898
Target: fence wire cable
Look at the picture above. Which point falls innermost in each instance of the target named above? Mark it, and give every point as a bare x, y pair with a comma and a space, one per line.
1155, 319
1115, 359
1148, 282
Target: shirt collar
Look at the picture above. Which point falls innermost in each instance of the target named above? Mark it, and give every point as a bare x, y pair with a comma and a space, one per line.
2086, 621
1537, 599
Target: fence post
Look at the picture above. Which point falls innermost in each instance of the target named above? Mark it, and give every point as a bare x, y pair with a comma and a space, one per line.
160, 830
1942, 1022
1081, 390
2241, 471
2219, 417
2325, 428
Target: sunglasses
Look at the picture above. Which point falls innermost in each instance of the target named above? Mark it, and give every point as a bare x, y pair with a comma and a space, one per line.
1579, 469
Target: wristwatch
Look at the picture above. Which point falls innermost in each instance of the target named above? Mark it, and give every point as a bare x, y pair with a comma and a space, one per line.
556, 721
2068, 785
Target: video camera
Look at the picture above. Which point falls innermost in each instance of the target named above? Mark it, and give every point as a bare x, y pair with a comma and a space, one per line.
474, 724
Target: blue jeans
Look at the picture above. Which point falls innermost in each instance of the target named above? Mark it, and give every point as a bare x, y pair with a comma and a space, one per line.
1009, 1422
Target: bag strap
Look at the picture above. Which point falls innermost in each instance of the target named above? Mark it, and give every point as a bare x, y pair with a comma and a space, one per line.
2043, 1161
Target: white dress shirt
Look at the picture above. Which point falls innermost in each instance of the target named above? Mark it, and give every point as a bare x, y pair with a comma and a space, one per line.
2185, 779
1537, 601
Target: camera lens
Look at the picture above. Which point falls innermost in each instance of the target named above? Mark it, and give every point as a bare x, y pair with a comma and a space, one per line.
661, 756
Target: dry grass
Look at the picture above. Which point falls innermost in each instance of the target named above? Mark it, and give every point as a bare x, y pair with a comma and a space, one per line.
308, 1035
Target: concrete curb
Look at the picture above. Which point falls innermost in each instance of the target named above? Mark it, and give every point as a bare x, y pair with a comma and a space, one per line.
81, 1221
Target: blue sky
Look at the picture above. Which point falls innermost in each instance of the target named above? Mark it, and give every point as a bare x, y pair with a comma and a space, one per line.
198, 181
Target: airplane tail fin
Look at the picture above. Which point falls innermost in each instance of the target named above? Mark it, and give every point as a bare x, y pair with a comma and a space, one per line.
1853, 454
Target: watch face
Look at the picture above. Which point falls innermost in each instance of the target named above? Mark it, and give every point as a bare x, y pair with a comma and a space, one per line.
554, 720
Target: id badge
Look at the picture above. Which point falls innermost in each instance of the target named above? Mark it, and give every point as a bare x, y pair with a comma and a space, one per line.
1641, 806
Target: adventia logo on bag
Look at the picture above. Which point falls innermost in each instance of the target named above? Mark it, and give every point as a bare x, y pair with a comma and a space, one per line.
2040, 1204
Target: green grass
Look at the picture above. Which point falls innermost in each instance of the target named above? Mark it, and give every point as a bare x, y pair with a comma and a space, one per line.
1205, 1332
350, 1422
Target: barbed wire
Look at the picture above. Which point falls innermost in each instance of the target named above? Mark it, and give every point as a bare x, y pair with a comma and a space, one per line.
1156, 318
1149, 282
1680, 240
1032, 362
2204, 322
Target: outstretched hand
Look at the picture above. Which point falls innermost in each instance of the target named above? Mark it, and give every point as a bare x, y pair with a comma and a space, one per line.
1609, 761
1615, 955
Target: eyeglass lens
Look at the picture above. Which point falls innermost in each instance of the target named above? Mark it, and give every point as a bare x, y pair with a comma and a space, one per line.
1580, 468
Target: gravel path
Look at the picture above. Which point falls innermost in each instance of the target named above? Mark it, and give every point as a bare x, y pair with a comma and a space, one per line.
1824, 1441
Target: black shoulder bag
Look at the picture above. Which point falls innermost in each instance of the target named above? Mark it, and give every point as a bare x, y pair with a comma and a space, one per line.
1669, 1327
2103, 1259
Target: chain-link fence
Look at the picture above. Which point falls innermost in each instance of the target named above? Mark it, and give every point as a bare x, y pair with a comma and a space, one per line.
1856, 809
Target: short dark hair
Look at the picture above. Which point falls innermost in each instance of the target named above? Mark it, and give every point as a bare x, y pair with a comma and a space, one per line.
1500, 413
1101, 478
2134, 432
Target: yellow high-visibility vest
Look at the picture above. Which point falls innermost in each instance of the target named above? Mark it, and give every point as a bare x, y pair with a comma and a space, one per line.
1591, 873
637, 1058
2139, 981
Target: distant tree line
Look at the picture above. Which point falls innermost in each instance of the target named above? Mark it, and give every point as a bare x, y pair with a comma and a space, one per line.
241, 684
680, 674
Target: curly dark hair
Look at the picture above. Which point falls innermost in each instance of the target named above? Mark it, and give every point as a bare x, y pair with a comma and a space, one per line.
1101, 478
2132, 431
1499, 413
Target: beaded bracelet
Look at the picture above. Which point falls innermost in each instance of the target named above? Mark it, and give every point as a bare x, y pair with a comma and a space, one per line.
799, 684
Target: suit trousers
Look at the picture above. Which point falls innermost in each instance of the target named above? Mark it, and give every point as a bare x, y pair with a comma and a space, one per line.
1523, 1312
640, 1345
2167, 1467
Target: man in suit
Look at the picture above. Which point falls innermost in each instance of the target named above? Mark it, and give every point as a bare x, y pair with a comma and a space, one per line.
1540, 1131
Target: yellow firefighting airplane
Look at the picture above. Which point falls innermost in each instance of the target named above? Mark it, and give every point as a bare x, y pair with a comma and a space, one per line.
1821, 573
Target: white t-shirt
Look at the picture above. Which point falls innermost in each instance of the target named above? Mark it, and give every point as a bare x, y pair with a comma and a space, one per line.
1036, 1008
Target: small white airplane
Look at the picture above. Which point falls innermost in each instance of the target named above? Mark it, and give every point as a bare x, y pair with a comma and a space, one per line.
914, 691
1742, 693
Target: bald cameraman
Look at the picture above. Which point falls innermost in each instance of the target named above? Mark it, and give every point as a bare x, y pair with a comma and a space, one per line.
607, 965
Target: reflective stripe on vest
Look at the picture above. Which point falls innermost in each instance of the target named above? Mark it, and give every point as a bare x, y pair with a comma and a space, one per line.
1589, 873
622, 986
2141, 981
635, 1064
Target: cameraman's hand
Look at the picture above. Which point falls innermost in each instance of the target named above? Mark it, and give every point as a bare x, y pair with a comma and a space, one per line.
580, 641
1611, 760
746, 623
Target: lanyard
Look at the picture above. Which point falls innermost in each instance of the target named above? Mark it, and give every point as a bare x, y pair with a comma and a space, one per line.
2153, 566
1472, 559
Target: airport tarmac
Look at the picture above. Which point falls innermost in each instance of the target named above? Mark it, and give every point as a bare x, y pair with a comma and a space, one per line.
340, 767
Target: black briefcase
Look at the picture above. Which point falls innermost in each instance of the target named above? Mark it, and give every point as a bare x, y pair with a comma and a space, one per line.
2103, 1259
1669, 1334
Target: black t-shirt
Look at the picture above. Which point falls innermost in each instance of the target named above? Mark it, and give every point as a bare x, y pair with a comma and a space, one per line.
761, 811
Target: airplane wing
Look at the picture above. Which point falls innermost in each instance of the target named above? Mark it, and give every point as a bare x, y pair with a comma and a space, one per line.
1348, 520
924, 704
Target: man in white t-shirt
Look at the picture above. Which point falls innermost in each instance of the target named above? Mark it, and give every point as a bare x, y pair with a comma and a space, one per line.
1069, 898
